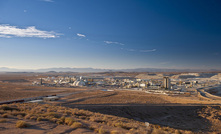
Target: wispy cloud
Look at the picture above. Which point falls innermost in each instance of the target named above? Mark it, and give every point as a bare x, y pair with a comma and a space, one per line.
48, 0
8, 31
111, 42
5, 36
145, 51
81, 35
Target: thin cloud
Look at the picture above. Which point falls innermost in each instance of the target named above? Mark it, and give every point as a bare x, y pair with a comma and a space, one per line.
8, 31
145, 51
4, 36
48, 0
81, 35
111, 42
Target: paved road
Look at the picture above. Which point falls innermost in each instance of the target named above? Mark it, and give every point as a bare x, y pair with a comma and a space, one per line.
41, 97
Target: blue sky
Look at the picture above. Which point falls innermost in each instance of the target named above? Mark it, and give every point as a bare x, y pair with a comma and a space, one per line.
112, 34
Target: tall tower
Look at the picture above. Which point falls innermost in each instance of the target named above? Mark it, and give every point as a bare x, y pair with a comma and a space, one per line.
41, 82
166, 83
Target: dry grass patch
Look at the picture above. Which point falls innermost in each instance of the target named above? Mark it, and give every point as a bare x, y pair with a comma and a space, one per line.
115, 132
76, 125
5, 115
5, 108
3, 120
101, 130
22, 124
39, 119
99, 123
69, 121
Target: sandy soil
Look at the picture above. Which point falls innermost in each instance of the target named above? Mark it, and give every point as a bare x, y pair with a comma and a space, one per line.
183, 112
180, 112
39, 127
11, 91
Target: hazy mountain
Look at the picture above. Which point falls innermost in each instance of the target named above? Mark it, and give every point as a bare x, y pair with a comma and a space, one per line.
71, 70
4, 69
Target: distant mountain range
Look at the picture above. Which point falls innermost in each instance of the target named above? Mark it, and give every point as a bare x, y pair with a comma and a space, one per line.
5, 69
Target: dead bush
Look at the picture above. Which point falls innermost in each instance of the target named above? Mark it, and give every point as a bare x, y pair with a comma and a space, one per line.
22, 124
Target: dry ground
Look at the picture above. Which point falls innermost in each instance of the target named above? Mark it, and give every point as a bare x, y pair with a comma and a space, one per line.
108, 111
18, 86
39, 118
11, 91
179, 112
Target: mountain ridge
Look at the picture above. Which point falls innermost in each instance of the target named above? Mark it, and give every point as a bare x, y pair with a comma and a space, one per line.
69, 69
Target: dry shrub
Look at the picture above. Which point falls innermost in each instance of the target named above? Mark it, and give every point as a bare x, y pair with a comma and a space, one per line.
115, 132
105, 118
122, 125
92, 128
53, 119
82, 117
5, 107
5, 115
53, 114
69, 121
33, 118
57, 114
21, 124
188, 132
19, 116
157, 131
2, 111
61, 120
102, 131
178, 132
28, 116
76, 125
16, 113
39, 119
3, 120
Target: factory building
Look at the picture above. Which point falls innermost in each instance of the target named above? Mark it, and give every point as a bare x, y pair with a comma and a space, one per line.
166, 83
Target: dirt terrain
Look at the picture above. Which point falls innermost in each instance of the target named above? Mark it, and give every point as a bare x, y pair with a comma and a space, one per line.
106, 109
19, 86
43, 118
179, 112
10, 91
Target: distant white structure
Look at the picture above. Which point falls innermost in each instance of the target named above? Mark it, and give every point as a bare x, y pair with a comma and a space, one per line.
166, 83
51, 98
143, 85
79, 83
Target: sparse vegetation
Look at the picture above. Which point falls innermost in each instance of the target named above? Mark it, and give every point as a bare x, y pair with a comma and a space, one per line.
101, 130
22, 124
76, 125
3, 120
39, 119
69, 121
114, 132
99, 123
5, 115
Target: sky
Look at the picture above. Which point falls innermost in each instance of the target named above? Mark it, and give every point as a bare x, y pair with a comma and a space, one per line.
110, 34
